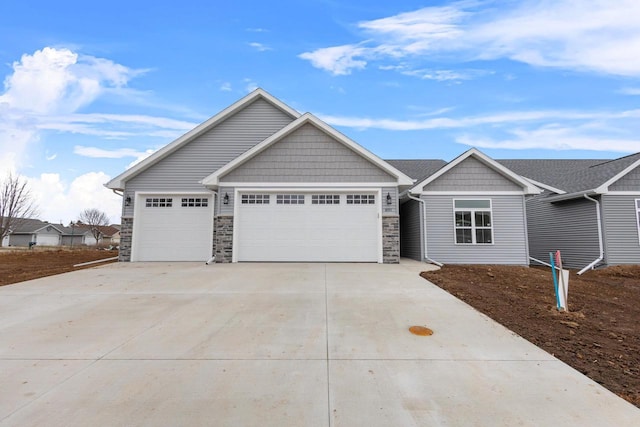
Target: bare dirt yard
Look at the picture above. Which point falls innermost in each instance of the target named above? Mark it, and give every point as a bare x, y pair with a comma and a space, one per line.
20, 265
599, 336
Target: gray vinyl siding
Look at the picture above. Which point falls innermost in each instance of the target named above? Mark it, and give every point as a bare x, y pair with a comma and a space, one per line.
411, 231
570, 227
392, 209
622, 243
509, 232
472, 175
226, 209
308, 155
77, 240
183, 169
629, 182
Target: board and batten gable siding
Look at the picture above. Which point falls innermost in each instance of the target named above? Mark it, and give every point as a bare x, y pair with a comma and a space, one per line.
509, 232
472, 175
183, 169
629, 182
620, 224
411, 231
570, 227
307, 155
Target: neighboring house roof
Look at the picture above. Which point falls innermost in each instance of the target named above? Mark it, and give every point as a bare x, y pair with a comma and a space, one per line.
526, 185
72, 231
575, 177
105, 230
213, 179
31, 225
417, 169
117, 183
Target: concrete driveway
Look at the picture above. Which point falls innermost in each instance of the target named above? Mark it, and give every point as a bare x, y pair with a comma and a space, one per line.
274, 345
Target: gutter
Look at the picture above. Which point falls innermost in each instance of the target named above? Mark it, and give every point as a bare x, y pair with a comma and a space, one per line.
599, 220
571, 196
423, 214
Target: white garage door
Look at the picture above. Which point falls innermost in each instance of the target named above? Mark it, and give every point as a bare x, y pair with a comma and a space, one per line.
173, 227
314, 227
48, 239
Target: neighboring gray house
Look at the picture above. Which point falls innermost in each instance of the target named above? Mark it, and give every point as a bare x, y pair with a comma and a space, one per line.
35, 231
261, 182
468, 211
589, 210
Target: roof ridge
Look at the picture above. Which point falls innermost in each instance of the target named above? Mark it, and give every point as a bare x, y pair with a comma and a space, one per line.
615, 160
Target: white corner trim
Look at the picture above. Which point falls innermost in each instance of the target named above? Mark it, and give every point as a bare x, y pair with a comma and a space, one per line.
117, 183
214, 178
604, 188
528, 187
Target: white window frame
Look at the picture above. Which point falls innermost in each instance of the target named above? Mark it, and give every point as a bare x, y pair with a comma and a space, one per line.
637, 205
473, 222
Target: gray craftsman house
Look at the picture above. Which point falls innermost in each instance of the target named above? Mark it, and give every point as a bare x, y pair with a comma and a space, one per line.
261, 182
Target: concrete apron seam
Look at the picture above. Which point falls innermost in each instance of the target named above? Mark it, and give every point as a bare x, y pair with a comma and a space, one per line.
326, 328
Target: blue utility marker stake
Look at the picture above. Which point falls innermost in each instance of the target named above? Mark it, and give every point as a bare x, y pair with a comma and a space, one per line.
555, 279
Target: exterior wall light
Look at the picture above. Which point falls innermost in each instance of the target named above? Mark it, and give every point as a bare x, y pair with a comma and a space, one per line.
127, 201
225, 199
389, 199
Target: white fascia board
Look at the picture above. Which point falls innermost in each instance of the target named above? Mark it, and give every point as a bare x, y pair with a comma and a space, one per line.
545, 186
280, 185
570, 196
528, 187
470, 193
213, 180
117, 183
604, 188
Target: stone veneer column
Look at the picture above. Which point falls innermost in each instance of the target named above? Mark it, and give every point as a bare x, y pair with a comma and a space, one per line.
126, 229
390, 239
224, 239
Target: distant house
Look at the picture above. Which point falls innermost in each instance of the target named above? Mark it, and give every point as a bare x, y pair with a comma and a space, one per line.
32, 231
105, 233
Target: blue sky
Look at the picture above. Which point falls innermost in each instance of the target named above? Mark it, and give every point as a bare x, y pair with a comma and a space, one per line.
91, 88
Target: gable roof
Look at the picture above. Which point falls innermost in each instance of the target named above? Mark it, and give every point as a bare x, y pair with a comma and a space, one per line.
31, 225
417, 169
526, 185
117, 183
576, 177
105, 230
213, 179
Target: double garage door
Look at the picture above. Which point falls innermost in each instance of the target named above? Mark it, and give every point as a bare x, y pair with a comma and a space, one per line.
299, 226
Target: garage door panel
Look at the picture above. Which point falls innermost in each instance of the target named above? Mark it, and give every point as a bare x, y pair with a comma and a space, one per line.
307, 232
173, 233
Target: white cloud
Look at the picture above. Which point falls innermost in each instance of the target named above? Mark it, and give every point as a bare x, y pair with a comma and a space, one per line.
225, 87
61, 201
553, 138
250, 85
634, 91
259, 47
589, 35
106, 154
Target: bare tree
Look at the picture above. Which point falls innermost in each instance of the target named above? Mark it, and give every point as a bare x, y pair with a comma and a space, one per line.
94, 219
16, 204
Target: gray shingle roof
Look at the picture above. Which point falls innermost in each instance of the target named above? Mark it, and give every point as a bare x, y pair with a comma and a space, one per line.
417, 169
29, 225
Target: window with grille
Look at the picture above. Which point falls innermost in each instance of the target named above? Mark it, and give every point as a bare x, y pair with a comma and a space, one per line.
290, 199
361, 199
158, 202
195, 202
254, 199
325, 199
472, 222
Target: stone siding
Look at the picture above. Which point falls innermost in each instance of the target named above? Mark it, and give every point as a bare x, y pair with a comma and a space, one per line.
126, 229
391, 240
224, 239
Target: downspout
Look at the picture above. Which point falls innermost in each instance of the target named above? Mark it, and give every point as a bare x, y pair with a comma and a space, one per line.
215, 206
423, 213
599, 220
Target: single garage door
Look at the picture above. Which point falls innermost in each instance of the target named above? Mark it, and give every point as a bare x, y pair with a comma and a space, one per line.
311, 227
173, 227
